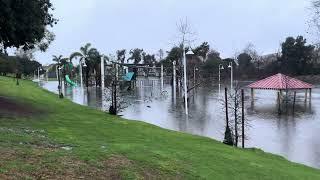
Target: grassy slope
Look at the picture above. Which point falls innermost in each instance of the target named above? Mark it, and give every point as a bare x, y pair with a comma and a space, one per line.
152, 151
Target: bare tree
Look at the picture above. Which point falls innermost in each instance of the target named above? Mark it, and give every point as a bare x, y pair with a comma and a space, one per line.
233, 107
315, 18
186, 36
250, 49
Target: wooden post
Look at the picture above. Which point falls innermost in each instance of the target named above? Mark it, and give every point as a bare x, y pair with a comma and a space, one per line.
294, 101
242, 122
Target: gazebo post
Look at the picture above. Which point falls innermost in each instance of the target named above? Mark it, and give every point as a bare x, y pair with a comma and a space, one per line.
279, 102
252, 94
310, 90
306, 96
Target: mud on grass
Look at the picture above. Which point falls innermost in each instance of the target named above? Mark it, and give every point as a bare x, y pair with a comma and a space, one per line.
10, 108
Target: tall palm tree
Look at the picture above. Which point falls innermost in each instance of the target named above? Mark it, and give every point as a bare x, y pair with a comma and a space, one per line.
60, 61
90, 56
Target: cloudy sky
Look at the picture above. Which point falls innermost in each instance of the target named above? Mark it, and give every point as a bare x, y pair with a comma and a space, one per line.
151, 24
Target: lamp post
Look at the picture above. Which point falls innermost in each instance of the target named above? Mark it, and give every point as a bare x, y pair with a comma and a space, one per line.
231, 82
82, 63
59, 86
220, 68
161, 77
185, 78
39, 74
194, 75
174, 83
102, 73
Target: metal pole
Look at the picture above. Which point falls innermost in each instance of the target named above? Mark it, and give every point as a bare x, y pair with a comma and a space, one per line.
219, 80
161, 77
81, 76
185, 80
102, 73
38, 74
231, 78
174, 80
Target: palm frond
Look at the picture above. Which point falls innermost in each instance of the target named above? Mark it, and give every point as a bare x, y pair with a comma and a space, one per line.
75, 55
85, 49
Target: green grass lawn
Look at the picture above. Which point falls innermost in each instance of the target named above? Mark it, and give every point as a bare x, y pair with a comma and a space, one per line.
68, 141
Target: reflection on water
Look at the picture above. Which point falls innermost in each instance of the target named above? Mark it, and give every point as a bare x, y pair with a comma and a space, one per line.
296, 137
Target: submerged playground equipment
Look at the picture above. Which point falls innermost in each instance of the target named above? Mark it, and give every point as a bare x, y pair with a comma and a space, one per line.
69, 81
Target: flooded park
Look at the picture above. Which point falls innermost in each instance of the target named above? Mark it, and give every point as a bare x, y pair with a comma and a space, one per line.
293, 135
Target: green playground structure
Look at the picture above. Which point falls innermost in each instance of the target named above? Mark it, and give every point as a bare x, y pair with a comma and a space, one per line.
69, 81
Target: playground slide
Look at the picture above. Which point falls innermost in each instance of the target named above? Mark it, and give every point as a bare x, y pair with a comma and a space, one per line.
69, 81
128, 76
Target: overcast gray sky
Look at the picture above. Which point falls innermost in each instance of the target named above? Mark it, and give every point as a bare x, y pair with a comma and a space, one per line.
227, 25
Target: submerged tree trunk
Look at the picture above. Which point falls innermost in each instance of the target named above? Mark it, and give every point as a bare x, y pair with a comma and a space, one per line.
228, 140
236, 119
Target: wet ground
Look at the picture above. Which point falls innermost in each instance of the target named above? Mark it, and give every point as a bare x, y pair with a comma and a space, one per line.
295, 136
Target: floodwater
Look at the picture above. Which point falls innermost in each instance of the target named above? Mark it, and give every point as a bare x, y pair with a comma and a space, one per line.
294, 136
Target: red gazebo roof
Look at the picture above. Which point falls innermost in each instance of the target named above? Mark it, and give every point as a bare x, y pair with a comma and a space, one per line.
280, 82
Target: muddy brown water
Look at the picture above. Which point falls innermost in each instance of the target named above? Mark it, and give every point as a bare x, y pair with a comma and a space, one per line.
294, 136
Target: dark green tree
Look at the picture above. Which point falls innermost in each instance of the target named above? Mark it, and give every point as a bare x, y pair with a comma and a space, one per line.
202, 50
211, 65
296, 58
92, 57
121, 55
148, 59
23, 22
136, 55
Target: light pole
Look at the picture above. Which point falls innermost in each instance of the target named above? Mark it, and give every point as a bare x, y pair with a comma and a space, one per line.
59, 86
231, 82
185, 78
220, 68
174, 83
161, 77
80, 71
194, 75
102, 73
39, 69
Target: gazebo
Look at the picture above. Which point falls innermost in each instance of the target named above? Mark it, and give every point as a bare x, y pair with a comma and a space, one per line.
281, 82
